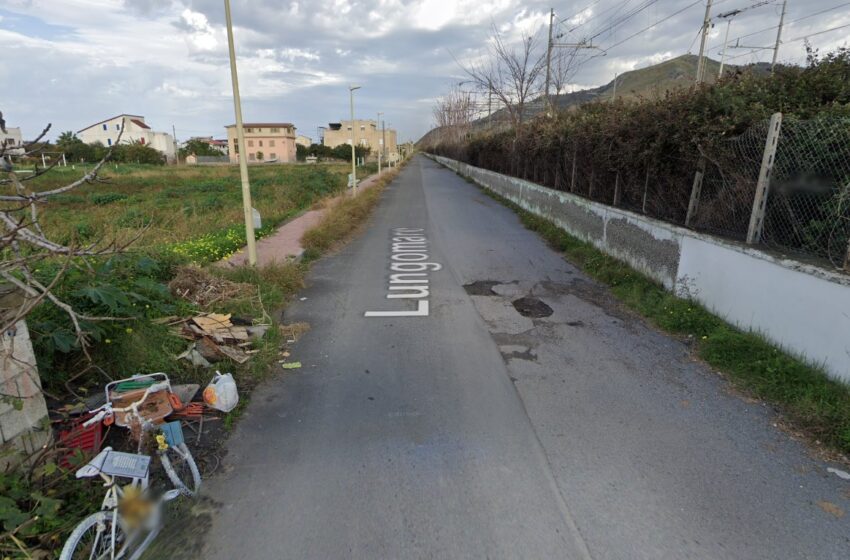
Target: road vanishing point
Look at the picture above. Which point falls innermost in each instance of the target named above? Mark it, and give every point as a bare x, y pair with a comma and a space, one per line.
522, 414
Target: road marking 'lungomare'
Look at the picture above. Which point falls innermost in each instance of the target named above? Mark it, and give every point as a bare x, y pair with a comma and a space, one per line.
408, 272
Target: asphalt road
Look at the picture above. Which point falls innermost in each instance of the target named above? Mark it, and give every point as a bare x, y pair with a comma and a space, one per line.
479, 432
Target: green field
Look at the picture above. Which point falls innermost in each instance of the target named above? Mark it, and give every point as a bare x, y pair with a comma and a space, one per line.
171, 206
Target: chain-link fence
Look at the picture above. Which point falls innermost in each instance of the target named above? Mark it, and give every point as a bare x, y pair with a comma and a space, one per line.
795, 173
808, 206
807, 210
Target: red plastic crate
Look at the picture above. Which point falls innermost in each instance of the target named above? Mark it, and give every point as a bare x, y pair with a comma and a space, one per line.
89, 439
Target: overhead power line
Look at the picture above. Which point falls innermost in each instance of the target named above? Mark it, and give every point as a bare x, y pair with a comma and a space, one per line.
795, 39
808, 16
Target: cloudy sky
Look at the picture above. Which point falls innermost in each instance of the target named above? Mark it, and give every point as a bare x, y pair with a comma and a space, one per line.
75, 62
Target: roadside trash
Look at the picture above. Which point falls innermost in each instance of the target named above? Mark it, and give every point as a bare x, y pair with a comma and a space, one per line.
221, 393
293, 331
290, 365
216, 337
302, 299
839, 473
203, 289
87, 439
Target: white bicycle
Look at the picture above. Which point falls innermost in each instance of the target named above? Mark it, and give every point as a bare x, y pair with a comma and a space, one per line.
119, 530
130, 517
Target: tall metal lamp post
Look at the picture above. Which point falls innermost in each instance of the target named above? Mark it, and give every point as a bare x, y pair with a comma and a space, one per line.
240, 143
382, 147
351, 89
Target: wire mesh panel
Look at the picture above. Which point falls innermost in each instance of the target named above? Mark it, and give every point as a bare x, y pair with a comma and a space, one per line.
729, 184
808, 206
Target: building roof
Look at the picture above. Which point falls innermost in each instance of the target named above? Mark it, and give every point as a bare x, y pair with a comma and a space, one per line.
132, 118
137, 122
264, 124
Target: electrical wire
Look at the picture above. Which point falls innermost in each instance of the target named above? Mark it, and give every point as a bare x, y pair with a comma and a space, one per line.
800, 38
624, 18
788, 23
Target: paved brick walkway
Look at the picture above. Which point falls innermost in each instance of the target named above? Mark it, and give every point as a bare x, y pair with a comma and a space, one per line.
285, 243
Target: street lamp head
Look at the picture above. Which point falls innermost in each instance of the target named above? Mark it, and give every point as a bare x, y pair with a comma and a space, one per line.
352, 87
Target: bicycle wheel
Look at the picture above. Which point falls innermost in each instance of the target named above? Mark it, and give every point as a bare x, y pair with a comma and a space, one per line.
180, 466
92, 539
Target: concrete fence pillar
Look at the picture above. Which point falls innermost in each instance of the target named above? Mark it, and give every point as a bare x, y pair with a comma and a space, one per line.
23, 411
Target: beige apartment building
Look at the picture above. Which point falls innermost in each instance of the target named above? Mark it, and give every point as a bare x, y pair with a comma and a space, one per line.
366, 132
264, 142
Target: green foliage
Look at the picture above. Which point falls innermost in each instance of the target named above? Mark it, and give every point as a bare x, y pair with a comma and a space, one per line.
136, 152
198, 148
662, 137
106, 198
40, 508
301, 152
343, 151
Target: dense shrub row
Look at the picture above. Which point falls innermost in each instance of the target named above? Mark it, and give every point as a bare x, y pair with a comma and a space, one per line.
651, 147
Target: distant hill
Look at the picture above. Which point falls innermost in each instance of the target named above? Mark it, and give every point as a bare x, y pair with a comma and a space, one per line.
649, 82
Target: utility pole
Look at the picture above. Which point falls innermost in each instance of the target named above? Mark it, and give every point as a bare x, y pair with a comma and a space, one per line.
174, 141
549, 57
384, 140
382, 146
778, 37
725, 46
614, 97
706, 24
240, 138
351, 89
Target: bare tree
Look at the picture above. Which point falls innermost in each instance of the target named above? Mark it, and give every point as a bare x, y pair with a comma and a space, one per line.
24, 244
453, 115
511, 74
563, 68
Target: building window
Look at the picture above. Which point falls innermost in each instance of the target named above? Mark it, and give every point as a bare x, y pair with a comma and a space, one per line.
142, 141
259, 130
252, 156
250, 143
273, 155
117, 127
275, 130
261, 143
349, 128
249, 130
271, 143
362, 128
104, 127
109, 141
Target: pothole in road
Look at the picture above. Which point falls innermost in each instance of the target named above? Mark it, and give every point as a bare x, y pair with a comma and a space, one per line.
481, 288
532, 307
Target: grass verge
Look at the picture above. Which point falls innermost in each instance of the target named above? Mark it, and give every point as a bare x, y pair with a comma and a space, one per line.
815, 404
344, 218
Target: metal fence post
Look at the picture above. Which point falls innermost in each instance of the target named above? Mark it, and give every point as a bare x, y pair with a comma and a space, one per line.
696, 190
645, 190
847, 258
590, 188
573, 178
617, 190
763, 185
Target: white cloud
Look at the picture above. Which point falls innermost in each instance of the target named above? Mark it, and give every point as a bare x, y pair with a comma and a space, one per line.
167, 59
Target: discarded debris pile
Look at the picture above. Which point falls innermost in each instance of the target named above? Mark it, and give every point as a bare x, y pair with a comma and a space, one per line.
216, 337
204, 289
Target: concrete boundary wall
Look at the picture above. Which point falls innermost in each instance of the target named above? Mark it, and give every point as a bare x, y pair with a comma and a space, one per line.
803, 308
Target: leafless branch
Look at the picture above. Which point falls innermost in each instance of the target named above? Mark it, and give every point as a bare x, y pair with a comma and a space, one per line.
512, 74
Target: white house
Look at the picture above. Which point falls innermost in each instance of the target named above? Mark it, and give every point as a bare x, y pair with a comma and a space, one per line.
11, 140
135, 130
